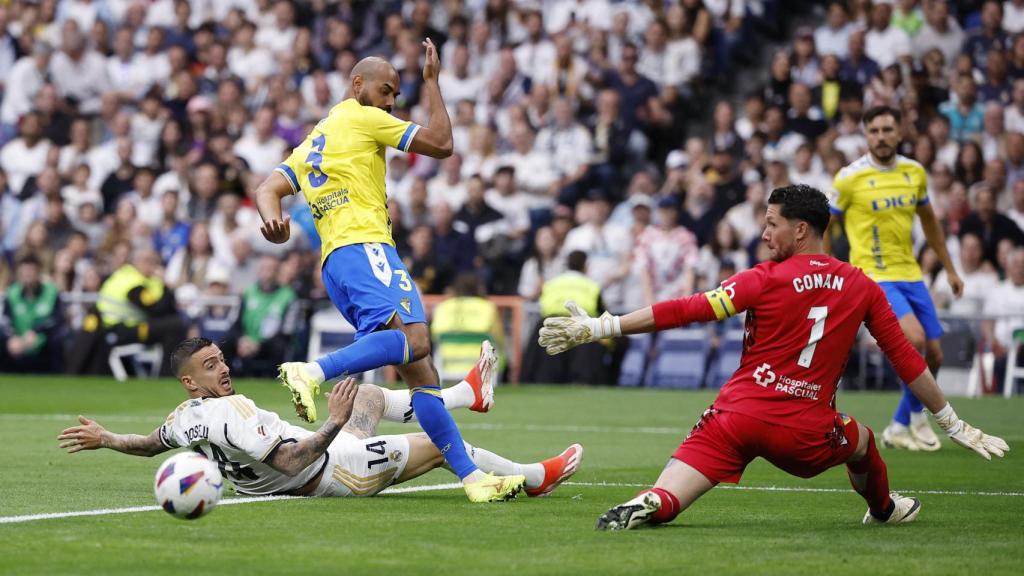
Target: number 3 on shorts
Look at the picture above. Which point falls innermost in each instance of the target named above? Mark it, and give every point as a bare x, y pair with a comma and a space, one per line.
818, 314
403, 281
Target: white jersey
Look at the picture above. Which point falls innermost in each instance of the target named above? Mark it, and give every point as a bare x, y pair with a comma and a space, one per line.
237, 435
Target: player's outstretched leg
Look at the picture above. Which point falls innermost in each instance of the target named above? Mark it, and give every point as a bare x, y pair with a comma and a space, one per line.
540, 478
869, 478
303, 379
678, 486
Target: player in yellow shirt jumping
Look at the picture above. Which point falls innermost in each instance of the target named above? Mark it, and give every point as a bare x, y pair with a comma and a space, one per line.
340, 170
877, 198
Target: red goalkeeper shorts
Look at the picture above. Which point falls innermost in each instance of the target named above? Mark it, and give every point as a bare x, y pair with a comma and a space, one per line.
721, 445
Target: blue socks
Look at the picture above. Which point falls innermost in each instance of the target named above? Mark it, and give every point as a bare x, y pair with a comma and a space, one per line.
908, 403
383, 348
439, 425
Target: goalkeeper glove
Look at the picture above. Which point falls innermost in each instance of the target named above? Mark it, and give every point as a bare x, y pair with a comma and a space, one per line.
561, 333
968, 436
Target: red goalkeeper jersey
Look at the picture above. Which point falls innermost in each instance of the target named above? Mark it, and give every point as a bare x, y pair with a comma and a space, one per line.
803, 315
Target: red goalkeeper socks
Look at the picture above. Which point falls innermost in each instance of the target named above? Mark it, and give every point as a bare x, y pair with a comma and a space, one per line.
669, 506
871, 480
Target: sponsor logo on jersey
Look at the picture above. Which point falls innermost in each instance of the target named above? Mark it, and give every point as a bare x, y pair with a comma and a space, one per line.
406, 305
766, 377
819, 263
395, 456
815, 281
900, 201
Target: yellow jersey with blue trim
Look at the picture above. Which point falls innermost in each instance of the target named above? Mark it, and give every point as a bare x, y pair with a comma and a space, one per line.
340, 168
878, 205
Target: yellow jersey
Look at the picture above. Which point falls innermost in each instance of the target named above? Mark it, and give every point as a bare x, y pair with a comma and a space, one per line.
878, 207
340, 168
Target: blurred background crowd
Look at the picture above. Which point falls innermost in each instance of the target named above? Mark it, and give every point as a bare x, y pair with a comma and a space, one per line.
645, 135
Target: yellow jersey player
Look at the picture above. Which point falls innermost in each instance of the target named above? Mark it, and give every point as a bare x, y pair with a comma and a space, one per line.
876, 198
340, 170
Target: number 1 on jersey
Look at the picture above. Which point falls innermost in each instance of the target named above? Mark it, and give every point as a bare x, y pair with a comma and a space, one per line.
818, 314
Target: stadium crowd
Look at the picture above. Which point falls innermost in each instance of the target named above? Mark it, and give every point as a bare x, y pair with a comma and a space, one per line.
137, 131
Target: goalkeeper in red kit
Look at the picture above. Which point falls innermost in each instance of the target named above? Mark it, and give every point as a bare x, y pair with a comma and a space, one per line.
803, 311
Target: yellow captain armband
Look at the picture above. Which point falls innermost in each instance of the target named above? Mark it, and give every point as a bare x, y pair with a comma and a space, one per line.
721, 301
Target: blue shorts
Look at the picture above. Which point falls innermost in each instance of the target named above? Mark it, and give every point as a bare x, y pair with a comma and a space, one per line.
913, 297
368, 284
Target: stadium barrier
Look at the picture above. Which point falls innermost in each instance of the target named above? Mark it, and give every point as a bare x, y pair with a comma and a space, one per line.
968, 366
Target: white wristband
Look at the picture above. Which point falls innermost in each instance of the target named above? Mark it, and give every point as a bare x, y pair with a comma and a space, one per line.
947, 419
605, 326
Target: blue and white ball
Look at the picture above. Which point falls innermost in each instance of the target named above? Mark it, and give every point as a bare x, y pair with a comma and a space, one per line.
188, 485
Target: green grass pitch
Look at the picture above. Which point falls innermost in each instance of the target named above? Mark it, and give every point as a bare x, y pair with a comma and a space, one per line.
972, 518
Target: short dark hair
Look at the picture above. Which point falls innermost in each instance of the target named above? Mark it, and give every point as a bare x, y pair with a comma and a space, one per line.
183, 352
876, 111
577, 261
30, 260
802, 202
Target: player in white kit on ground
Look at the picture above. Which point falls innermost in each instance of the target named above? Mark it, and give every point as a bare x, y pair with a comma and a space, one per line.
262, 454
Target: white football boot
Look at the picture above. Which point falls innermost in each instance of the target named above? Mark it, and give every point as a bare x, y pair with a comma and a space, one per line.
896, 436
905, 509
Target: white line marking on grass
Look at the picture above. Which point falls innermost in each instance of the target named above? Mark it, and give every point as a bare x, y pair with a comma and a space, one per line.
455, 485
803, 489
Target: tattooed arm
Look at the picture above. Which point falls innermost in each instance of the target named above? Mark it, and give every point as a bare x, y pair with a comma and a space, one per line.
366, 412
295, 457
92, 436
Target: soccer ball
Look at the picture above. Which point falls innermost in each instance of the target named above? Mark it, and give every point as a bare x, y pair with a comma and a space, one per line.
187, 485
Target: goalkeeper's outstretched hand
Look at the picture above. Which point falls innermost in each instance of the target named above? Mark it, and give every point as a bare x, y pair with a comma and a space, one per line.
561, 333
970, 437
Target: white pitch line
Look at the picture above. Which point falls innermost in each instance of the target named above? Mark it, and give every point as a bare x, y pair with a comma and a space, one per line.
455, 485
802, 489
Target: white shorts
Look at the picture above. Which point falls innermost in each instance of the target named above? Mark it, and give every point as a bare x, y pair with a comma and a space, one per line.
362, 467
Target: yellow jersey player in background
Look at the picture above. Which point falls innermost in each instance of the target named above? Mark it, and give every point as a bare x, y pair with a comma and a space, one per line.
340, 170
876, 198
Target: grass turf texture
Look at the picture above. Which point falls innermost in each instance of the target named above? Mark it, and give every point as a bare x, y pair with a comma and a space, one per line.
627, 435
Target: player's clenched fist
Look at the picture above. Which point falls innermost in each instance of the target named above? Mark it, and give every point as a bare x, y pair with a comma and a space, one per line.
340, 400
432, 66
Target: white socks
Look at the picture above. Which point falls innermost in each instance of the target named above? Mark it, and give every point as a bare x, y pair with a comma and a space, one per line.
313, 369
398, 403
488, 461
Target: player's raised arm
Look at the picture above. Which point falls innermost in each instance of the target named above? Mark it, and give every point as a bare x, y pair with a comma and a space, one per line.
90, 435
907, 361
294, 457
434, 139
268, 202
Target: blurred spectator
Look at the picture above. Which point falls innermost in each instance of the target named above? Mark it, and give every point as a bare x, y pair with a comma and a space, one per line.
458, 325
666, 256
978, 274
171, 234
261, 148
449, 184
543, 265
1004, 309
26, 155
607, 246
134, 306
584, 364
476, 212
988, 225
263, 332
30, 322
990, 35
37, 245
190, 264
940, 31
431, 273
79, 72
858, 66
26, 78
832, 37
724, 249
452, 241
